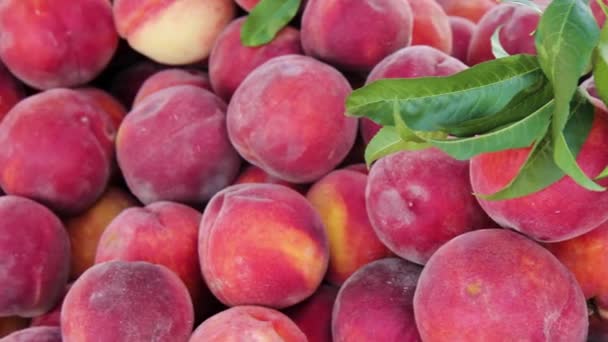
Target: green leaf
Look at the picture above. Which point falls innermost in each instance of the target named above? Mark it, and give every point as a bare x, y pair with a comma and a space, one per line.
266, 19
515, 135
540, 170
527, 3
602, 174
565, 39
432, 103
523, 104
600, 65
388, 141
497, 49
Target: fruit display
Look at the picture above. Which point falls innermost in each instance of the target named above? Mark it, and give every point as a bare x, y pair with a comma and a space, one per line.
303, 171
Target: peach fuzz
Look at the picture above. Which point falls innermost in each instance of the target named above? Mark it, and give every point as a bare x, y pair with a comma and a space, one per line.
172, 77
127, 301
173, 146
163, 233
375, 303
56, 147
543, 215
288, 118
339, 198
10, 324
279, 270
85, 229
35, 334
497, 285
73, 41
462, 31
419, 200
586, 256
253, 174
410, 62
313, 316
518, 22
11, 91
34, 257
173, 32
107, 103
231, 61
356, 35
470, 9
431, 25
248, 323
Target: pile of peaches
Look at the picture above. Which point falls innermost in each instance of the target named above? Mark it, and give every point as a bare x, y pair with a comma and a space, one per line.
162, 181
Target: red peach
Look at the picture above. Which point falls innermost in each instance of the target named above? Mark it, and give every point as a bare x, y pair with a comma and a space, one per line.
470, 9
172, 77
462, 31
35, 334
431, 25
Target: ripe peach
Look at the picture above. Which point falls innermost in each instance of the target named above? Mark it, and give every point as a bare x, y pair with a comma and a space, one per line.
172, 32
86, 229
287, 118
339, 198
34, 257
497, 285
470, 9
462, 31
35, 334
230, 61
107, 103
59, 43
56, 147
262, 244
52, 318
356, 35
172, 77
431, 25
518, 22
543, 215
248, 323
127, 301
253, 174
375, 303
313, 316
173, 146
410, 62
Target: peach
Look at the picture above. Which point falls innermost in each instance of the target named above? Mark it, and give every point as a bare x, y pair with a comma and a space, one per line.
470, 9
497, 285
586, 256
543, 215
313, 316
107, 103
172, 32
410, 62
85, 229
173, 146
10, 324
11, 91
35, 334
462, 31
52, 318
339, 198
125, 83
356, 35
419, 200
518, 22
598, 13
127, 301
172, 77
34, 257
72, 41
431, 25
253, 174
375, 303
262, 244
56, 147
248, 323
163, 233
230, 61
287, 117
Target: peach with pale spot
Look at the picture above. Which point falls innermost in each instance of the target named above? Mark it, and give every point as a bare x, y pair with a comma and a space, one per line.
339, 198
173, 32
262, 244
